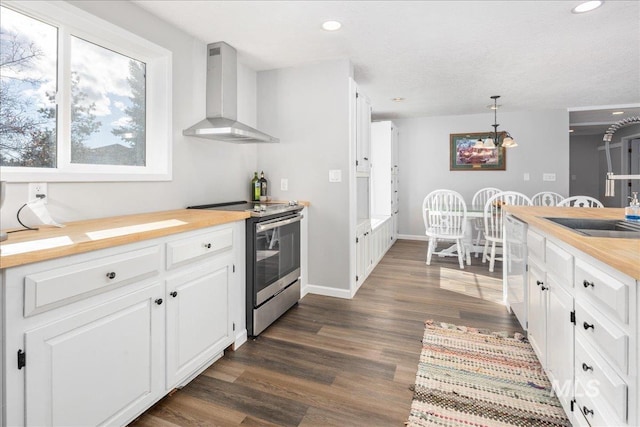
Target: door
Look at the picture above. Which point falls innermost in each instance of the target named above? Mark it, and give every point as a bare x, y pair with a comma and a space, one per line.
537, 312
276, 254
76, 367
363, 132
634, 165
560, 332
197, 319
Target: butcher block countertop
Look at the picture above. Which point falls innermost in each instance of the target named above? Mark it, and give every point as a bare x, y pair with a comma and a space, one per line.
621, 254
49, 242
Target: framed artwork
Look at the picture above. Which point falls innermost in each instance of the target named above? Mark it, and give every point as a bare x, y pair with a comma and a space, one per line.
465, 156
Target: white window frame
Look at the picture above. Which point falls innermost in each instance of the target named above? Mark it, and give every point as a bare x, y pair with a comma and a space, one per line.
71, 20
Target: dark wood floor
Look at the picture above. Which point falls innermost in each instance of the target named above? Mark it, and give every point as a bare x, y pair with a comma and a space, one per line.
337, 362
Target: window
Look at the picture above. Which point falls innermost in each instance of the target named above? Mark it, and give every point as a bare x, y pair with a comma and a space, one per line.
82, 100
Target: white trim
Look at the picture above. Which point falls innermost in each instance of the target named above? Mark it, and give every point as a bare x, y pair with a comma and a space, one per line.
603, 107
412, 237
326, 291
159, 133
241, 338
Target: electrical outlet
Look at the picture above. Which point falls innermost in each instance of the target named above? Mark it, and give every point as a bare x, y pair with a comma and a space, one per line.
284, 184
527, 176
38, 189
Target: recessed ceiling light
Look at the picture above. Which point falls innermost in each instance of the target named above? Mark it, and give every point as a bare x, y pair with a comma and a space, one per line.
617, 113
397, 99
331, 25
587, 6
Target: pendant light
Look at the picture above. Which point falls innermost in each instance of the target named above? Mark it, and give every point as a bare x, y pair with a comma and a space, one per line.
494, 140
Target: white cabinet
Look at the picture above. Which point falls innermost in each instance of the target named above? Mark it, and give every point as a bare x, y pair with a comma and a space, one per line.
583, 326
198, 326
363, 133
537, 311
559, 343
97, 338
363, 249
98, 366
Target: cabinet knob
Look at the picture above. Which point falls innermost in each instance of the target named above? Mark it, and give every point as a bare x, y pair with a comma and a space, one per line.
587, 411
587, 283
111, 275
207, 245
174, 294
539, 282
587, 326
586, 367
158, 301
544, 288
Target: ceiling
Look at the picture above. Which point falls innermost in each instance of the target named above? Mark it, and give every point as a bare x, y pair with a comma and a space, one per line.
443, 57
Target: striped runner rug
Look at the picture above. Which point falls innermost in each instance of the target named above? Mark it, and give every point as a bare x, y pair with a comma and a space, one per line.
470, 377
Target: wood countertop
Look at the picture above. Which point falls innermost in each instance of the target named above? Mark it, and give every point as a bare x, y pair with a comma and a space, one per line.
89, 235
621, 254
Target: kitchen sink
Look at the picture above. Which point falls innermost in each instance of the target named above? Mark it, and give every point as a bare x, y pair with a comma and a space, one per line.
614, 228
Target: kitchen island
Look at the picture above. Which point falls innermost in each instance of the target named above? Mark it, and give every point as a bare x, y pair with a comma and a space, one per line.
104, 317
582, 313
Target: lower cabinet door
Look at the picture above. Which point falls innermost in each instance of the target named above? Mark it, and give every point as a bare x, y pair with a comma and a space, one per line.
102, 366
560, 332
537, 313
198, 326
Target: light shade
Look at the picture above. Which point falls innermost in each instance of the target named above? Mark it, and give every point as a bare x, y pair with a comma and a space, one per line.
479, 144
509, 142
488, 143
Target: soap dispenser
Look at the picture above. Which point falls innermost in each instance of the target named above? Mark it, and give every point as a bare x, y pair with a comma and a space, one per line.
632, 212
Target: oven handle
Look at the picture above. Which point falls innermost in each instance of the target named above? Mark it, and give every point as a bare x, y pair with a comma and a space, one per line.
274, 223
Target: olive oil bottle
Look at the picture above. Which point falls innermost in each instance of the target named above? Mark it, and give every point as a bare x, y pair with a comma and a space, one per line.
255, 188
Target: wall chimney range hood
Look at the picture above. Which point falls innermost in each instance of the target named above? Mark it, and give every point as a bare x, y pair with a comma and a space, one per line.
222, 103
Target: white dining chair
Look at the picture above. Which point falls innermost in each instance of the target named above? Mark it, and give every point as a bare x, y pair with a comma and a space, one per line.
546, 198
581, 202
445, 216
479, 199
493, 218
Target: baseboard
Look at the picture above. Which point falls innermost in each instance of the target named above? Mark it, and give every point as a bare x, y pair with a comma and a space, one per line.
241, 338
412, 237
326, 291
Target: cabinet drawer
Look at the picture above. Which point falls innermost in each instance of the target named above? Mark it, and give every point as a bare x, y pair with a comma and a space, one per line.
535, 245
54, 288
559, 263
597, 377
590, 408
603, 334
191, 248
603, 288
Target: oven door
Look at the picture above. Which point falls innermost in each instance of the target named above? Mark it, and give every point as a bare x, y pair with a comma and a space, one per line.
276, 255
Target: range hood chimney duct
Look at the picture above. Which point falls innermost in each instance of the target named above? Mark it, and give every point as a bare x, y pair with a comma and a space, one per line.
222, 103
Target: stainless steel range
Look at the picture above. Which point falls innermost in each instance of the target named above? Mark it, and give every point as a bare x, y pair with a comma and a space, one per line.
273, 259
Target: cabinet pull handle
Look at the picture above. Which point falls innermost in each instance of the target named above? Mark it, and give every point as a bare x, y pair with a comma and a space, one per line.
207, 245
538, 282
587, 283
365, 158
586, 367
587, 411
587, 326
174, 294
158, 301
544, 288
111, 275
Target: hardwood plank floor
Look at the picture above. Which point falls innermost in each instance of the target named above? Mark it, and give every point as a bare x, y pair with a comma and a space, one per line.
337, 362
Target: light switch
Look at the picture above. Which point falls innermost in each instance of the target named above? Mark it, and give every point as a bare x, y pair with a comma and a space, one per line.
335, 175
284, 184
526, 176
548, 176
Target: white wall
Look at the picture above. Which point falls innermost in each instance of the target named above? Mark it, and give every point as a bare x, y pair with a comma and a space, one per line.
203, 171
543, 138
307, 107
